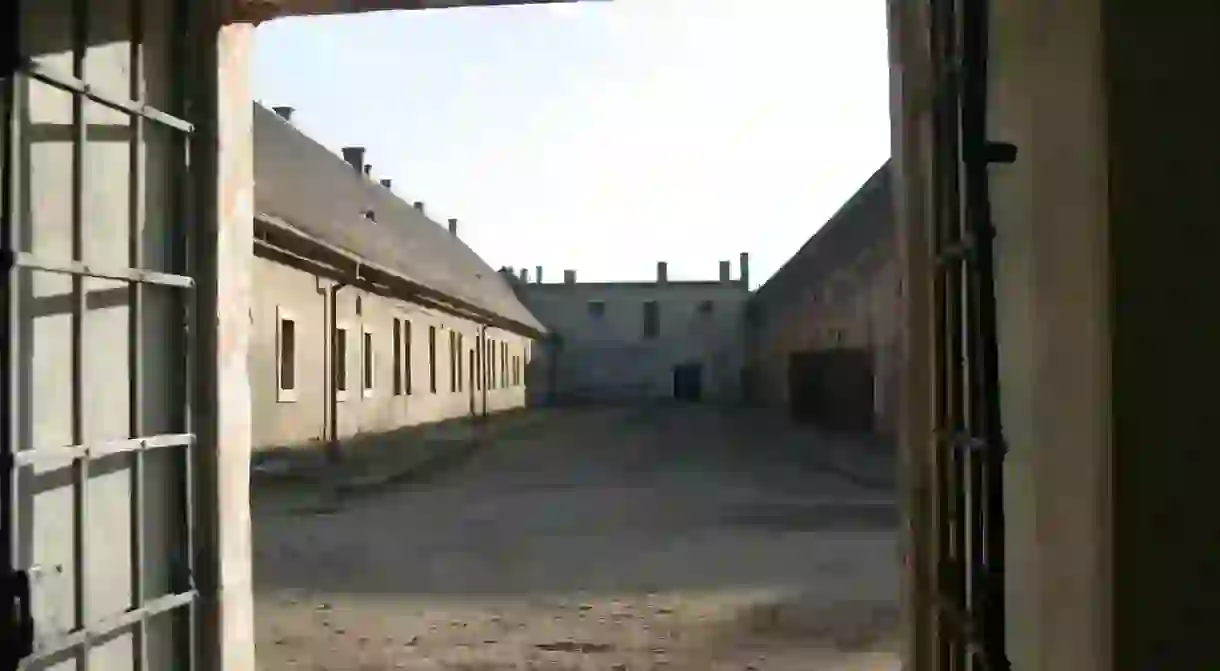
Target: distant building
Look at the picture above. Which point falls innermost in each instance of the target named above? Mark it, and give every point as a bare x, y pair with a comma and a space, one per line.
367, 315
822, 335
632, 341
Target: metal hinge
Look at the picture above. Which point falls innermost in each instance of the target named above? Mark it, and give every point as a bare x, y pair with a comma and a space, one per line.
17, 630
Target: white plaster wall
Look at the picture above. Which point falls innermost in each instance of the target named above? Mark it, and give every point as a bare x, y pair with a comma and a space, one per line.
609, 357
305, 419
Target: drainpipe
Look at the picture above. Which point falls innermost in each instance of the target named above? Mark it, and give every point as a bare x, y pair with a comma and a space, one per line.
333, 452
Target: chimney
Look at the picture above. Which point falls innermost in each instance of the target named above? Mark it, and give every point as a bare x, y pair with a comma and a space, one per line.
525, 275
368, 169
745, 269
284, 112
386, 183
662, 272
569, 277
452, 222
726, 271
355, 157
538, 274
419, 205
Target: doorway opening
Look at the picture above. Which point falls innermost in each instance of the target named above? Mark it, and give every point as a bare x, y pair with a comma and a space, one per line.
688, 382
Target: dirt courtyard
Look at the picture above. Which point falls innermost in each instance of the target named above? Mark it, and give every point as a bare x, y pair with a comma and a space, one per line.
684, 539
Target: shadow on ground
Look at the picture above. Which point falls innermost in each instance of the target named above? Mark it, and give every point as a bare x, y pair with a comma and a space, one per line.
677, 537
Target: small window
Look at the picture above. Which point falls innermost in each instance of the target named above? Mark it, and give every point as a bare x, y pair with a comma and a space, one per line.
453, 359
406, 355
706, 308
341, 363
460, 367
597, 309
368, 364
398, 385
286, 355
432, 359
652, 319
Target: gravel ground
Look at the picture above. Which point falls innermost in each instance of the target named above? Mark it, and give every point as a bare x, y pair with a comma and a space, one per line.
684, 539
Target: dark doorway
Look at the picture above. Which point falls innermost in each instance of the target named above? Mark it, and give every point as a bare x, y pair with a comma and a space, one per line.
833, 388
688, 382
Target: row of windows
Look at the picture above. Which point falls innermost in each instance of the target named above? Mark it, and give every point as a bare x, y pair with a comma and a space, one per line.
509, 373
652, 314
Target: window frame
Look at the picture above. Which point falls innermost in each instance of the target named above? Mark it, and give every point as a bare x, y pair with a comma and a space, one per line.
287, 394
398, 386
655, 321
453, 359
368, 361
341, 360
596, 308
432, 358
407, 339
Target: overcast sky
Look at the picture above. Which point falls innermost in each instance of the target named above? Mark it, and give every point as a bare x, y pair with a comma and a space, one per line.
603, 137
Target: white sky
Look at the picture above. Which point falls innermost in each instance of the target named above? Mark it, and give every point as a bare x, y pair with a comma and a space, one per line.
603, 136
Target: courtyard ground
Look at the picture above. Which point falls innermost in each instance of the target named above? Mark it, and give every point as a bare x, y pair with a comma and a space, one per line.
684, 539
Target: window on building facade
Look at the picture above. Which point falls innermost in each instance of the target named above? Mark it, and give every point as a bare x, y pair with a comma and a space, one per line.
341, 355
706, 308
368, 364
432, 359
652, 319
491, 364
406, 355
597, 309
460, 349
453, 358
398, 386
286, 355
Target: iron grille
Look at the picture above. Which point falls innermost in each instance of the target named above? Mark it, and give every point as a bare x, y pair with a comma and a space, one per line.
19, 69
970, 442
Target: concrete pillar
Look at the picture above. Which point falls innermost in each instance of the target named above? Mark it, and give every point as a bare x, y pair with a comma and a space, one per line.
662, 272
226, 406
569, 277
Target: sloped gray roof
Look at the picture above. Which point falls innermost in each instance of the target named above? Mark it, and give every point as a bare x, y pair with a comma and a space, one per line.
307, 186
864, 220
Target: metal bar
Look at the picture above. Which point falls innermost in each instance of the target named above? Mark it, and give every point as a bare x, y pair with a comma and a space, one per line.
80, 508
81, 268
184, 41
968, 443
83, 638
985, 362
15, 641
76, 84
52, 455
135, 357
